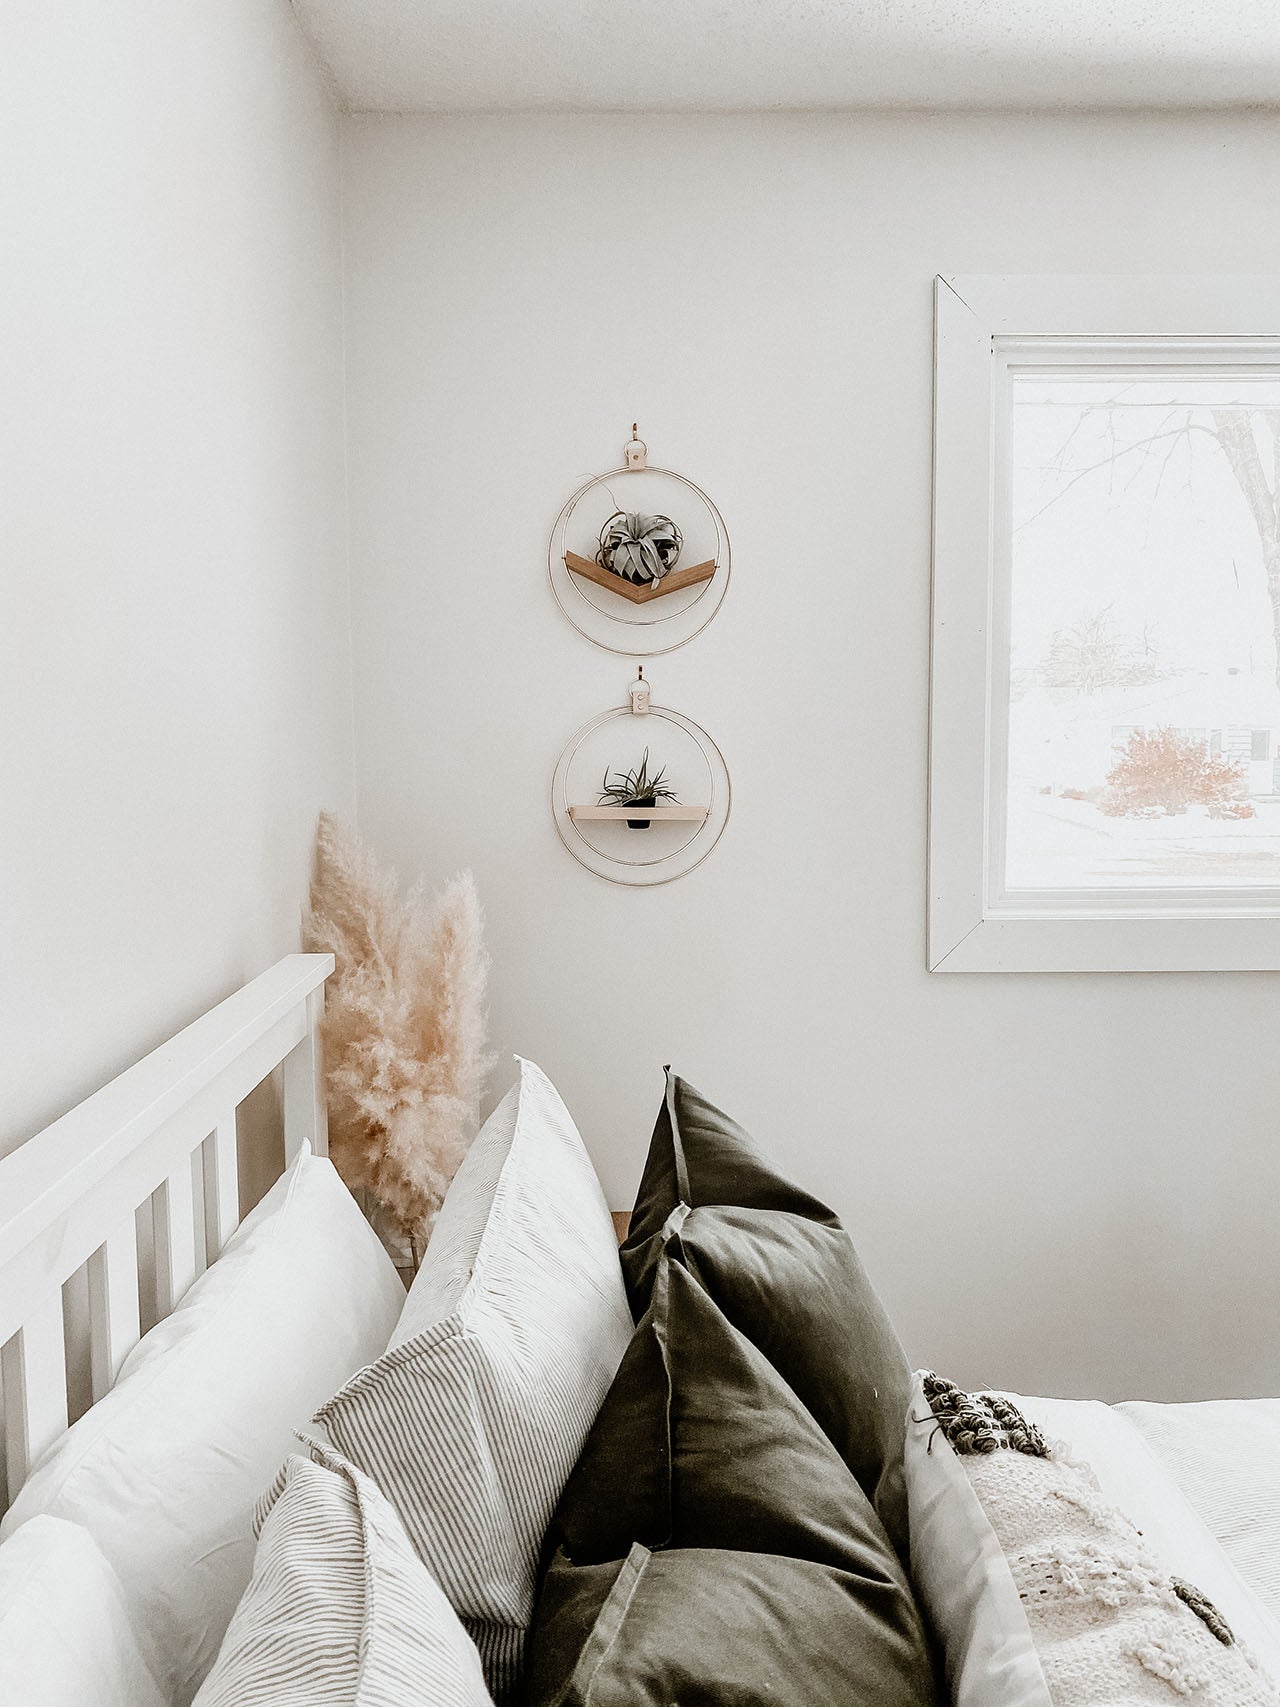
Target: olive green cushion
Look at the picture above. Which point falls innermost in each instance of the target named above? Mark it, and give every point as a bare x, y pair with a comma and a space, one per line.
712, 1542
690, 1628
782, 1269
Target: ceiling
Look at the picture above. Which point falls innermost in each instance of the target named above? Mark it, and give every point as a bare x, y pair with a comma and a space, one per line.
744, 55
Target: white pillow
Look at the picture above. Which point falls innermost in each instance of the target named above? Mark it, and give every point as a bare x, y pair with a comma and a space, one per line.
340, 1611
473, 1418
65, 1635
962, 1575
1041, 1588
164, 1470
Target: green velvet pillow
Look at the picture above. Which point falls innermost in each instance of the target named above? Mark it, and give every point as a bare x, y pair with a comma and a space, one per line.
711, 1629
784, 1272
712, 1546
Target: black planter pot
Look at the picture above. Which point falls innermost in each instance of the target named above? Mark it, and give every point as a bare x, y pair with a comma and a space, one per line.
641, 823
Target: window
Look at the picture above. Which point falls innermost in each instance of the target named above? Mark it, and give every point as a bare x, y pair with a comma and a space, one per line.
1106, 671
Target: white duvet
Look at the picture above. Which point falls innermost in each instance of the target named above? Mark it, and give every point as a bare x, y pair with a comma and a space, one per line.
1225, 1457
1238, 1565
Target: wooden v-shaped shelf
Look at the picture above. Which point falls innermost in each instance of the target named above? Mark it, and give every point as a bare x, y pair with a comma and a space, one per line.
672, 583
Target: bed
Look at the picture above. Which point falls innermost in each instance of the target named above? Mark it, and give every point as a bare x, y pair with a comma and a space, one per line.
1225, 1457
1202, 1482
131, 1459
127, 1212
164, 1134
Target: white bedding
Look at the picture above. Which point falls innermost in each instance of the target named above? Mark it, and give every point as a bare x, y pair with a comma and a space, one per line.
1225, 1456
1137, 1480
164, 1470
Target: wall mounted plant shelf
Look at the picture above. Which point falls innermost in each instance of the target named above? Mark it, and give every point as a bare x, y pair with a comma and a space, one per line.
639, 558
649, 814
636, 839
672, 583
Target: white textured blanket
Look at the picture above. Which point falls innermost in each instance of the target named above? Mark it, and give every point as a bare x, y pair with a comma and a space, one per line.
1138, 1480
1225, 1456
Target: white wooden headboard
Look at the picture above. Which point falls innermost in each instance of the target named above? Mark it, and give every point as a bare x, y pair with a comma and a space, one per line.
164, 1134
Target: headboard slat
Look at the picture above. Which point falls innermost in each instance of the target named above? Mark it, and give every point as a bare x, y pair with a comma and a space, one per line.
113, 1303
175, 1225
35, 1386
305, 1112
221, 1185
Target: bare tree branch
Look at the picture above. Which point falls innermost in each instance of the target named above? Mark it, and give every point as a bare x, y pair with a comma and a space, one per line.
1234, 431
1110, 461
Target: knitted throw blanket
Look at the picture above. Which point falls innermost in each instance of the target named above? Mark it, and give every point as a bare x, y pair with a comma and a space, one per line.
1109, 1624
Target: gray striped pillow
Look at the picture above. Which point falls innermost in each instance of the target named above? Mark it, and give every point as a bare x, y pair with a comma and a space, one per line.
339, 1611
473, 1418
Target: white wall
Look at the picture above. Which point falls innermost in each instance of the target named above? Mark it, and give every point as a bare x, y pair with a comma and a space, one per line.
1063, 1183
174, 661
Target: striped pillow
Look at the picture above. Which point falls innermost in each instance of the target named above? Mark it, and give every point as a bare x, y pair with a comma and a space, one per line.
474, 1416
339, 1611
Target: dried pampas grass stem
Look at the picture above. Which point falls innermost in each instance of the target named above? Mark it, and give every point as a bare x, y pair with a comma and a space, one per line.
404, 1030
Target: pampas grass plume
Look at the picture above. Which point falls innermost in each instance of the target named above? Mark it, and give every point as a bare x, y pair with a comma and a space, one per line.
404, 1029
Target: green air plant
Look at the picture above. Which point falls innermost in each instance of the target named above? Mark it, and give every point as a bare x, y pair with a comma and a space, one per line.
636, 788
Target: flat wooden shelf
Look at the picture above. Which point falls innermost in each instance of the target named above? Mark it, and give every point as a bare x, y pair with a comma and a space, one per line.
650, 814
672, 583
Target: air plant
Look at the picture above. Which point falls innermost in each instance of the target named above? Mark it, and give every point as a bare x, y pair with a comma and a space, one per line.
639, 548
636, 788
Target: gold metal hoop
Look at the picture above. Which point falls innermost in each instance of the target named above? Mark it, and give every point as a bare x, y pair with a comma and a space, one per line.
708, 751
718, 585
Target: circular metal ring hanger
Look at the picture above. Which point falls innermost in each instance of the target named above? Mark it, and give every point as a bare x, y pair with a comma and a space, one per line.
663, 631
648, 873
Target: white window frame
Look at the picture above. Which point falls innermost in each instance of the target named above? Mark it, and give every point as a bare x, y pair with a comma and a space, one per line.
972, 927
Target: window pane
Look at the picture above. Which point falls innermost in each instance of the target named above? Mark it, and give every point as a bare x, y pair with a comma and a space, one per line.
1143, 699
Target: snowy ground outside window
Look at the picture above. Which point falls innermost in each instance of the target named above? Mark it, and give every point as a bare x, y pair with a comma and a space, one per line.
1066, 844
1143, 707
